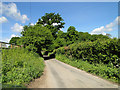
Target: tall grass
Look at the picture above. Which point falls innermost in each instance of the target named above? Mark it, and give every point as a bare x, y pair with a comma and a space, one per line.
19, 66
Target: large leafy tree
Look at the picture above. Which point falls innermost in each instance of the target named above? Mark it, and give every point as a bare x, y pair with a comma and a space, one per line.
72, 35
52, 21
62, 34
100, 36
60, 40
14, 40
84, 36
36, 38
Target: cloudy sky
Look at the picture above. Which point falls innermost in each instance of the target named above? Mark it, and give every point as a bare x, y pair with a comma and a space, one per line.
92, 17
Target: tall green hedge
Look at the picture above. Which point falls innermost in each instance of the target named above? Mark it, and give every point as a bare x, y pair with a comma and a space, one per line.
99, 51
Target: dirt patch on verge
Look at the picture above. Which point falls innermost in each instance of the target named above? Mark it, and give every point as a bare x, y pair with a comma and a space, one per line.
39, 82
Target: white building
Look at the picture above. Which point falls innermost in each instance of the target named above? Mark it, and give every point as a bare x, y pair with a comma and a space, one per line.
3, 45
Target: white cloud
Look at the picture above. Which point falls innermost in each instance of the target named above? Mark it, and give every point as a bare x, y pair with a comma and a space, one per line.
45, 24
3, 19
103, 33
31, 24
61, 29
8, 39
55, 24
5, 40
17, 28
117, 20
99, 30
11, 10
108, 28
13, 35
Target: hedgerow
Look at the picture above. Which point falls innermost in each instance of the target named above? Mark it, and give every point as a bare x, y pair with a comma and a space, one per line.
106, 51
19, 66
102, 56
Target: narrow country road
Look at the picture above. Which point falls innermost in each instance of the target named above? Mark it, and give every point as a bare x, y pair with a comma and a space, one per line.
60, 75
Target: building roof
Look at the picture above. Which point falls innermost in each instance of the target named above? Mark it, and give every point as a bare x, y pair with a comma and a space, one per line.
6, 43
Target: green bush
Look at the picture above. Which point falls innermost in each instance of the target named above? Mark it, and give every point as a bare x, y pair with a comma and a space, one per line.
99, 51
20, 66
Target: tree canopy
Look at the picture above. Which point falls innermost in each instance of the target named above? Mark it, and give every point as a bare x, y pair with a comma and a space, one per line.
36, 37
47, 34
14, 40
52, 21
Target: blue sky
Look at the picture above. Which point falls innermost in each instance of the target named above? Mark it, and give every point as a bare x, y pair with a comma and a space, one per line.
92, 17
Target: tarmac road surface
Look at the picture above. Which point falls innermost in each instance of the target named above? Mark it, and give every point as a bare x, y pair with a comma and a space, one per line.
60, 75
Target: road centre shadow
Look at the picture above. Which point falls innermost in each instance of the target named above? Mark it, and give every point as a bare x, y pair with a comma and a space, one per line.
46, 57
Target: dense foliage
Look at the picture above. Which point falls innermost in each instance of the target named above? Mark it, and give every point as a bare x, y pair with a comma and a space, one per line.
19, 66
14, 40
46, 34
36, 38
99, 51
52, 21
73, 36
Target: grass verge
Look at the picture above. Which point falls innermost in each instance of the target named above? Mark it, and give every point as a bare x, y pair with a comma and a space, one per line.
101, 70
19, 67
